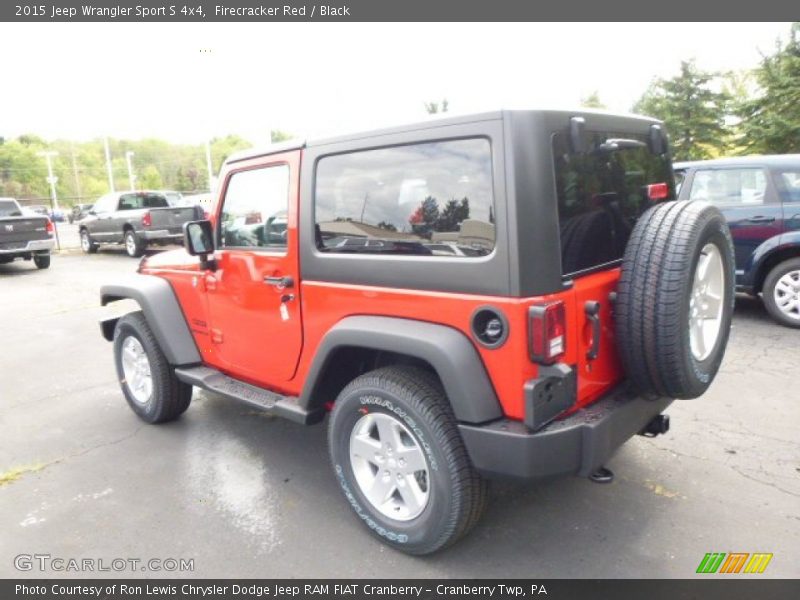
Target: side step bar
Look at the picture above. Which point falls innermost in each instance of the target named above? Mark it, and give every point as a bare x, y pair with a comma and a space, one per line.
215, 381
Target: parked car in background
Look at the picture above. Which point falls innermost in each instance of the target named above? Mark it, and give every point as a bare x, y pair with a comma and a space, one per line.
205, 201
135, 219
760, 198
57, 215
39, 209
24, 234
78, 212
173, 198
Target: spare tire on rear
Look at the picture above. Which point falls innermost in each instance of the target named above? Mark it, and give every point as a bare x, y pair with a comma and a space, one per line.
675, 299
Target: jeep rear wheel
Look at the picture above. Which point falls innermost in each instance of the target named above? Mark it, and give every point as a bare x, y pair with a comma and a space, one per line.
400, 461
781, 293
148, 381
675, 299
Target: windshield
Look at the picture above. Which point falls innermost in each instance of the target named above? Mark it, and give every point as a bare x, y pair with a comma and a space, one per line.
601, 193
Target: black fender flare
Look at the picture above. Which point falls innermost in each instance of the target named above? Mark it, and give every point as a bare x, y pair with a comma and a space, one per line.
162, 310
447, 350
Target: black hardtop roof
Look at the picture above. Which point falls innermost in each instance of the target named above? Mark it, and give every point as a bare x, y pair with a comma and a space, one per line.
765, 160
432, 123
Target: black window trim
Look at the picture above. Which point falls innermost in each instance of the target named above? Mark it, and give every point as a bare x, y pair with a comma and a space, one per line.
266, 250
405, 257
568, 278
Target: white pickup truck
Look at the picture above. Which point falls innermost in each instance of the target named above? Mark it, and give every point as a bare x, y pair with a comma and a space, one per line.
24, 234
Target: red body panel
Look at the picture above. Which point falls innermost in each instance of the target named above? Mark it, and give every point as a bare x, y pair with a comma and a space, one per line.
235, 318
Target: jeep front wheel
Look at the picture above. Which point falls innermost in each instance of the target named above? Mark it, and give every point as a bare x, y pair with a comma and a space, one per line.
400, 460
148, 381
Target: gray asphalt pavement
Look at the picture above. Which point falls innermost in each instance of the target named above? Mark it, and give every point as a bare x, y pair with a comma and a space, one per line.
244, 495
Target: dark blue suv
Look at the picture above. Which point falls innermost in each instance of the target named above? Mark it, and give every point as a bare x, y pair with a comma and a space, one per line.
760, 197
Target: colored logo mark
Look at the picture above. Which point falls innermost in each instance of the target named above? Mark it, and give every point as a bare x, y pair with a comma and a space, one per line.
734, 562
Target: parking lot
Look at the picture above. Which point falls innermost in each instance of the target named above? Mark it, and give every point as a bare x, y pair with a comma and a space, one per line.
246, 495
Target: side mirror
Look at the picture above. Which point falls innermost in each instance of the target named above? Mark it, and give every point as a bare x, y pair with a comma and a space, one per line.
198, 239
92, 212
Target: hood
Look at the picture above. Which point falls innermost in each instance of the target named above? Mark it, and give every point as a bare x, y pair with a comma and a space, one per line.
171, 259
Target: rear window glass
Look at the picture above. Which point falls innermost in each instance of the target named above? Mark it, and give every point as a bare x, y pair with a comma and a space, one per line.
9, 209
136, 201
429, 199
601, 193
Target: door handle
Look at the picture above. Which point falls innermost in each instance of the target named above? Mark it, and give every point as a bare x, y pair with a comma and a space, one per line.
280, 282
761, 219
592, 310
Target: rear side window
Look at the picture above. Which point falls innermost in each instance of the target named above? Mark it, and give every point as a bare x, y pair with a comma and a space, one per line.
727, 187
137, 201
9, 209
789, 182
601, 193
429, 199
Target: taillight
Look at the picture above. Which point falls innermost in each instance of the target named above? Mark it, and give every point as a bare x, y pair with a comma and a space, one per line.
147, 220
548, 329
657, 191
50, 228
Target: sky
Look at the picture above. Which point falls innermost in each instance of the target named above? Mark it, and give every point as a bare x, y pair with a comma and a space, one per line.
189, 82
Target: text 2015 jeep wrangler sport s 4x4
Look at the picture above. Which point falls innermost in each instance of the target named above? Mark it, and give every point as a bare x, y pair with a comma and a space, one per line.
507, 294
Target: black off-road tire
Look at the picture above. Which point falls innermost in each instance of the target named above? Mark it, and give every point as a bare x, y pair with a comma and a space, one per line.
42, 261
170, 397
654, 293
134, 245
88, 245
415, 398
768, 291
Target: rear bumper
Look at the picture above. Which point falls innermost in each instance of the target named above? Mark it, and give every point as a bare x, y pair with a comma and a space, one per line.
31, 246
575, 445
161, 234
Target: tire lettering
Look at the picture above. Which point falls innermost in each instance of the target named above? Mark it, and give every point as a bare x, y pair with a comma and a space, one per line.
389, 405
400, 538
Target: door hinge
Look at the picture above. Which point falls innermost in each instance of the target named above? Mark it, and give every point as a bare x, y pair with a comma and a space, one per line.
216, 336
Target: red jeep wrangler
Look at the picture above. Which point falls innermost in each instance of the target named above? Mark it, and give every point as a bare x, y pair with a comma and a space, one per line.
508, 294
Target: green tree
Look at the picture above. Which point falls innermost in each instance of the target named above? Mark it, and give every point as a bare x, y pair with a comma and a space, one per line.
276, 135
695, 114
433, 108
150, 178
424, 219
451, 216
770, 121
592, 101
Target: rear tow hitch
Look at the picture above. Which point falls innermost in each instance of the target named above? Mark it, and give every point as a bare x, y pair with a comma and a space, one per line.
659, 425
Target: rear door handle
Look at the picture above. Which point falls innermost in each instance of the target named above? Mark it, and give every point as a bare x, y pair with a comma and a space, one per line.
592, 310
761, 219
